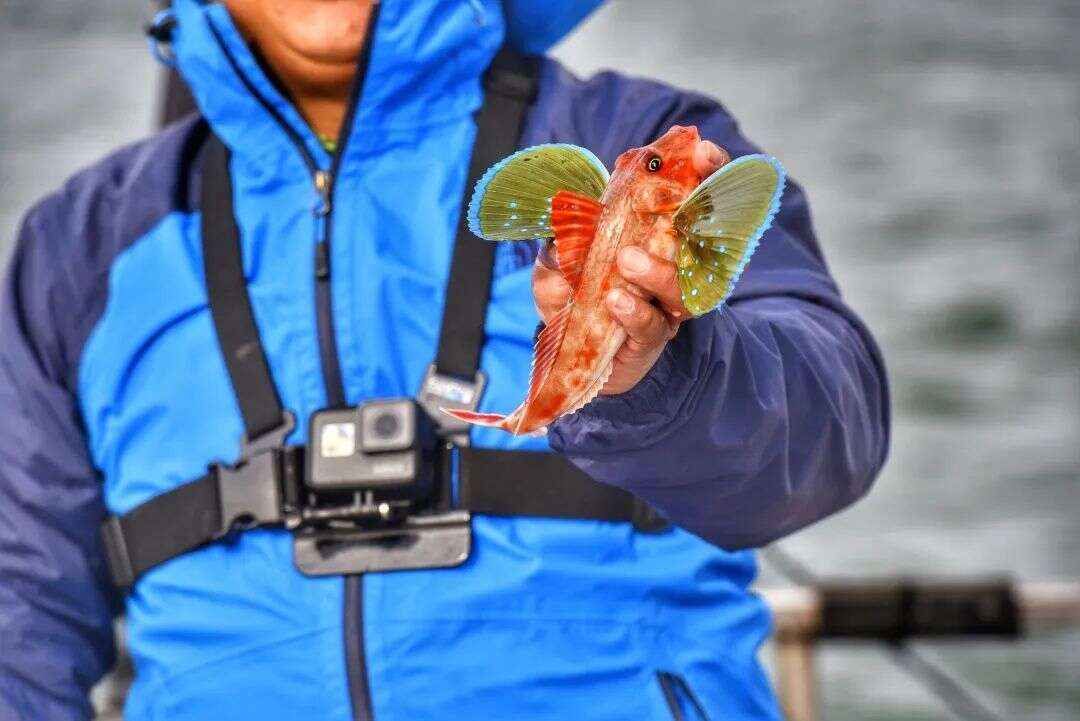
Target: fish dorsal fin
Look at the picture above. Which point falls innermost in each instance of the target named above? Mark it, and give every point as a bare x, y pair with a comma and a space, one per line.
512, 201
573, 219
719, 226
548, 343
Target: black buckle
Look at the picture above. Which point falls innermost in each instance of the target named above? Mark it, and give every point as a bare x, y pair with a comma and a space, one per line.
443, 391
253, 491
249, 493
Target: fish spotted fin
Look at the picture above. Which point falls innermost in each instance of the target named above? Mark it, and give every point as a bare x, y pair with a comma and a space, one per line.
574, 218
512, 201
719, 226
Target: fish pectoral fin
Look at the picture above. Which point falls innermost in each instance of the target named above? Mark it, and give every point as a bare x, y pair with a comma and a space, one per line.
512, 201
574, 218
719, 226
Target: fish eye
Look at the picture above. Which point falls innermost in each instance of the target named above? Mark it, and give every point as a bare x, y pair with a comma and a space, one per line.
654, 163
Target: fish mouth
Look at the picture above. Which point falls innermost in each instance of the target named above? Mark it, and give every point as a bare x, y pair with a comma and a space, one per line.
693, 135
684, 133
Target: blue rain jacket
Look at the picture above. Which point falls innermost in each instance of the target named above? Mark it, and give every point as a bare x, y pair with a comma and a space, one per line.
756, 421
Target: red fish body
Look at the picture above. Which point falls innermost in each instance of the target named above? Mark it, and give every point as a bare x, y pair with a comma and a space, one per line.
574, 353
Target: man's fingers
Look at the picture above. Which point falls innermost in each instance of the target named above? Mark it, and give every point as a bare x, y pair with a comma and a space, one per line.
656, 276
550, 290
547, 256
646, 326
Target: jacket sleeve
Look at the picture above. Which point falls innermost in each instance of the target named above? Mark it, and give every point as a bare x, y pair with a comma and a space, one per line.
56, 609
759, 419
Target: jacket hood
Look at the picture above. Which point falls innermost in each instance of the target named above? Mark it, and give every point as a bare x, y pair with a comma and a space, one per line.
533, 27
425, 66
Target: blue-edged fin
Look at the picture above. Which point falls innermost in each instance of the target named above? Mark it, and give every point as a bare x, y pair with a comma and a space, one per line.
719, 226
512, 201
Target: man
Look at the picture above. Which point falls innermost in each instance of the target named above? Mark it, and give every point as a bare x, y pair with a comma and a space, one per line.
742, 426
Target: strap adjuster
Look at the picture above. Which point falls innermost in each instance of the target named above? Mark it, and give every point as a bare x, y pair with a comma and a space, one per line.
442, 391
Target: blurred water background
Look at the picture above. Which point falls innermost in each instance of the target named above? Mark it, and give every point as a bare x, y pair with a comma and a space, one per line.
940, 144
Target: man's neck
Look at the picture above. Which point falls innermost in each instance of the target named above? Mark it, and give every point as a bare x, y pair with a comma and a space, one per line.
324, 112
311, 49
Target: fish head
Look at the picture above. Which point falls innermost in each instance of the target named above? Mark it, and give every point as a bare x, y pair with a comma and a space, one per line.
662, 173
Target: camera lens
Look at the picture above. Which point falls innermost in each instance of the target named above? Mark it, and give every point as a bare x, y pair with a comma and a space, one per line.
386, 425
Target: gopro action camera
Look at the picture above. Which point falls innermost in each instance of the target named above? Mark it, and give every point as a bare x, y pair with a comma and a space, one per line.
386, 445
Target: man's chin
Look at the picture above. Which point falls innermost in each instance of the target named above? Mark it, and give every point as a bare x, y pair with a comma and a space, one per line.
329, 32
314, 36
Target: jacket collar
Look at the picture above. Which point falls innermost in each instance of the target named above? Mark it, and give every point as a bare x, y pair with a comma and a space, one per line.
425, 66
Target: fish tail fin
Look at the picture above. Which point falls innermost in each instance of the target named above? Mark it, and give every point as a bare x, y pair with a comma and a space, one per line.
495, 420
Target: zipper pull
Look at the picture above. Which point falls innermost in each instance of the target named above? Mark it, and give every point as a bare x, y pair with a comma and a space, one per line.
322, 212
322, 187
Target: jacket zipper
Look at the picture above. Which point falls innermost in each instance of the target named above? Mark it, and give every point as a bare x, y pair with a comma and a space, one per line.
335, 387
323, 181
353, 606
352, 619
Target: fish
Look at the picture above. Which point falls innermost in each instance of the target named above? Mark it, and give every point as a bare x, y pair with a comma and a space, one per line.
654, 199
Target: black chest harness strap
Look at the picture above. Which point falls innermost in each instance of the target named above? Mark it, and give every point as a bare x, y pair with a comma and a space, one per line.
266, 487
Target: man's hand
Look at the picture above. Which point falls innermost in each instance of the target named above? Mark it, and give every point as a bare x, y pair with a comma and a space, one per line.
652, 318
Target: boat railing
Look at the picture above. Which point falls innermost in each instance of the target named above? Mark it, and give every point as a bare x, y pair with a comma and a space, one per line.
898, 610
